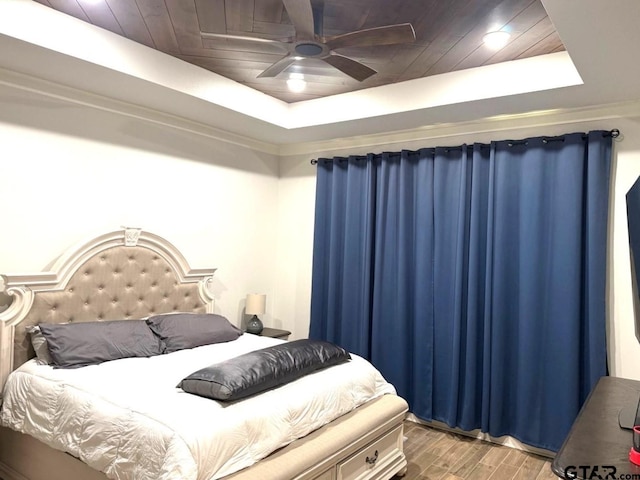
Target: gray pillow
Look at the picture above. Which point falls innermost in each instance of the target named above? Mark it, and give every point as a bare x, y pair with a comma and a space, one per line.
189, 330
89, 343
263, 369
39, 344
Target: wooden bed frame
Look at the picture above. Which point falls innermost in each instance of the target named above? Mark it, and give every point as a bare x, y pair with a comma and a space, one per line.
129, 274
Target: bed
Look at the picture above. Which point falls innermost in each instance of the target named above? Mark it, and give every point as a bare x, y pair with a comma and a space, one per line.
131, 274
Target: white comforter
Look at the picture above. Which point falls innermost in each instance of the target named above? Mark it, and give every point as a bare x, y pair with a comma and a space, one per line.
128, 419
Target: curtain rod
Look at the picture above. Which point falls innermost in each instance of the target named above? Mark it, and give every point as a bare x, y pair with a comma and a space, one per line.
614, 133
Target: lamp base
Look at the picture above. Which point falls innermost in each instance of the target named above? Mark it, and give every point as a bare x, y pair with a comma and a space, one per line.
254, 325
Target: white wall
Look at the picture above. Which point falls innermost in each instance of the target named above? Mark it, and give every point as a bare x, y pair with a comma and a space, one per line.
297, 187
297, 195
70, 172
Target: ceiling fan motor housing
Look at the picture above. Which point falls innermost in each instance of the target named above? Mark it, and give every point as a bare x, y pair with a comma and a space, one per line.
310, 49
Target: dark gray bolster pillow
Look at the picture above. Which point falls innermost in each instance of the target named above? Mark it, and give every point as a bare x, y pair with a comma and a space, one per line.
263, 369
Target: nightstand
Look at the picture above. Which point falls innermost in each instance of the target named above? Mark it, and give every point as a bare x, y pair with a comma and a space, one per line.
275, 333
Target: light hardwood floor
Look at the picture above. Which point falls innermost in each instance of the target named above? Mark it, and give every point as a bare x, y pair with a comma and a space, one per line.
438, 455
434, 454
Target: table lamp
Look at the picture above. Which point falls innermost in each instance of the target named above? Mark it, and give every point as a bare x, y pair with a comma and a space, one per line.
255, 305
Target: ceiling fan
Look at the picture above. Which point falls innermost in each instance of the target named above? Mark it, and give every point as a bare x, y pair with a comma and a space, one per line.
309, 41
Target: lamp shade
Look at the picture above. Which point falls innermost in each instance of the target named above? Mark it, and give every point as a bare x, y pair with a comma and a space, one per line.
255, 304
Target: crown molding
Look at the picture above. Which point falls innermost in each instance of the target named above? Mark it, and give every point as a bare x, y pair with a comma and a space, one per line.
49, 89
481, 126
427, 133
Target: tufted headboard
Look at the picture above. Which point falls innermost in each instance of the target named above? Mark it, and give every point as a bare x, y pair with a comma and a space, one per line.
121, 275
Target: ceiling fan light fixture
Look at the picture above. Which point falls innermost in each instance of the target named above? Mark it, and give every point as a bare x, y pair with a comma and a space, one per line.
296, 82
496, 40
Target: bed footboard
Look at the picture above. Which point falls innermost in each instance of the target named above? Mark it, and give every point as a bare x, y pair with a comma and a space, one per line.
363, 444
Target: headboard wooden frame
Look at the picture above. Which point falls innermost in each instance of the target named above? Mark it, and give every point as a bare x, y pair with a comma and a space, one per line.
124, 274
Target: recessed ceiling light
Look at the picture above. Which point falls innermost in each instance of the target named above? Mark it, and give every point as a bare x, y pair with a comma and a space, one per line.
296, 82
496, 40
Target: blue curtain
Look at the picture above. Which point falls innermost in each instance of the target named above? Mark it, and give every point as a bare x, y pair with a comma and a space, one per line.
472, 277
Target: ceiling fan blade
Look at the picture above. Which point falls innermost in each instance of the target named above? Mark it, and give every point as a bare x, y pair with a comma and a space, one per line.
317, 6
301, 15
225, 36
387, 35
351, 67
278, 67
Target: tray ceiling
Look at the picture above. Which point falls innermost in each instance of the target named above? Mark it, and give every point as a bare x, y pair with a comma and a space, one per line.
448, 36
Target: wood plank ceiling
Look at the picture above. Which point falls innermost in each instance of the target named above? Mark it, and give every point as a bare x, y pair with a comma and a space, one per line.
448, 36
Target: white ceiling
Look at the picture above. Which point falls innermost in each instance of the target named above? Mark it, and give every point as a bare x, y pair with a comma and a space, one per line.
600, 67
